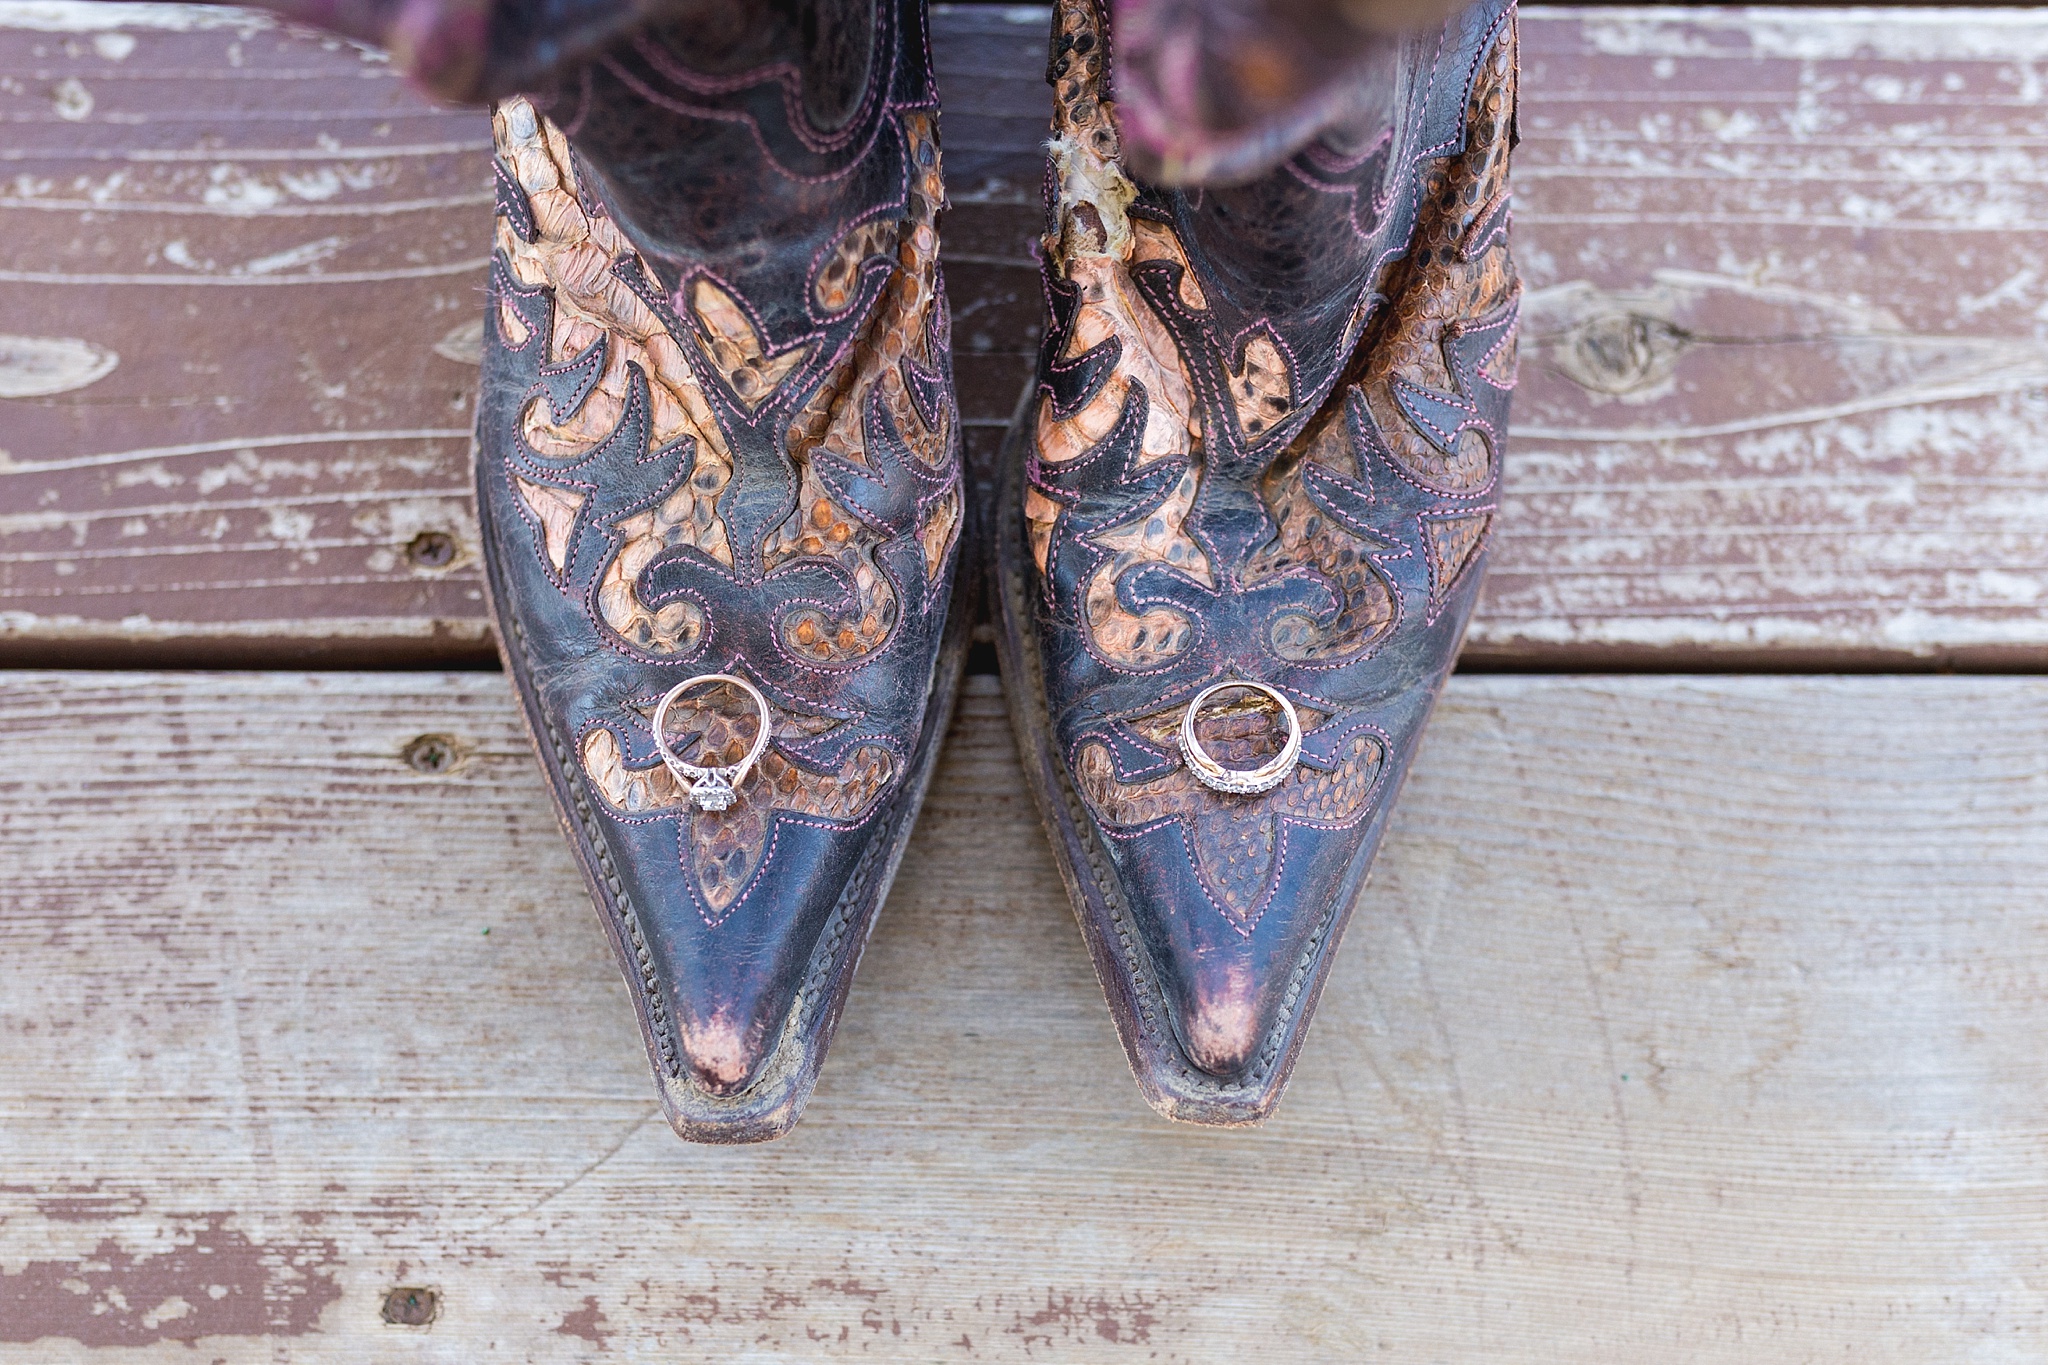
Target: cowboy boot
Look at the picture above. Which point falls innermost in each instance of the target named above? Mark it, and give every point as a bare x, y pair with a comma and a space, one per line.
718, 475
1245, 515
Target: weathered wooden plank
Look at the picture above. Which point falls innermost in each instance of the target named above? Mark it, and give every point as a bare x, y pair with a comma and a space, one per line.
1684, 1020
239, 268
1783, 399
1787, 392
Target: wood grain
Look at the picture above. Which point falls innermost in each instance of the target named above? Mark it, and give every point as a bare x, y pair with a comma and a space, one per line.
283, 248
1785, 391
1786, 395
1684, 1020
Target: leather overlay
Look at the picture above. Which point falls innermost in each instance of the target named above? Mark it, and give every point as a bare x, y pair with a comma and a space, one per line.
728, 845
1265, 445
717, 435
1232, 843
1433, 378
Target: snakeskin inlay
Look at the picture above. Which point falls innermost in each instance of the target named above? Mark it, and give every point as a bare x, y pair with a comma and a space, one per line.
598, 317
1310, 536
1234, 838
733, 343
1417, 378
1140, 639
1260, 391
512, 327
556, 510
1453, 542
1094, 246
715, 730
864, 403
839, 277
1152, 241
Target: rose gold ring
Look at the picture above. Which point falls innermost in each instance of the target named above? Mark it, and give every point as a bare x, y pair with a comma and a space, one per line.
1214, 775
712, 788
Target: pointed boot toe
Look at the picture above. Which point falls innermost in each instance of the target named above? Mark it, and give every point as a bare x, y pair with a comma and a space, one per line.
1220, 1020
1245, 515
718, 472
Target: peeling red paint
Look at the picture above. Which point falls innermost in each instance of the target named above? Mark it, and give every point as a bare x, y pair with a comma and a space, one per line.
701, 1308
586, 1322
213, 1282
1126, 1321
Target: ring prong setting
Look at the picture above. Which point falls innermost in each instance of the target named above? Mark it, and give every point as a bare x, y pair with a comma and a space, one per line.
713, 793
714, 788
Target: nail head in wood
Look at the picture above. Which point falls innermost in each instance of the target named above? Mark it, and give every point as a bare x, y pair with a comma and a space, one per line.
431, 550
435, 755
408, 1306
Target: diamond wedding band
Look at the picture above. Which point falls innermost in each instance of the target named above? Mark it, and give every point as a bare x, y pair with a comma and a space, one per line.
1251, 782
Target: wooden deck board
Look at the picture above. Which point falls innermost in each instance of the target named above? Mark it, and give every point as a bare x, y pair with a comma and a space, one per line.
1684, 1019
274, 241
1783, 398
1787, 390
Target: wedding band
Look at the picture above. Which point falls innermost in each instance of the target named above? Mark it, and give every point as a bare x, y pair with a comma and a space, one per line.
1214, 775
712, 788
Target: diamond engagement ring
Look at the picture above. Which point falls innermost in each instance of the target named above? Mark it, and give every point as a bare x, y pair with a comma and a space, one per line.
1214, 775
711, 788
